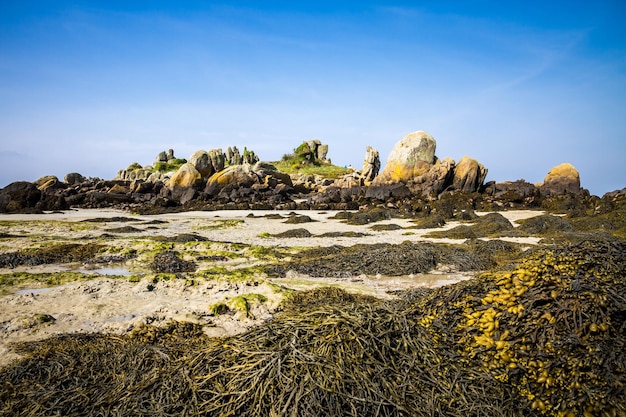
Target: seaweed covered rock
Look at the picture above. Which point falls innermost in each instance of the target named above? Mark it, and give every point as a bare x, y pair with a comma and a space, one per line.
170, 262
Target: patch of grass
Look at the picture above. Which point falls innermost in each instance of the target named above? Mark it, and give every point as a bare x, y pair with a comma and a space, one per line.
264, 235
169, 166
323, 169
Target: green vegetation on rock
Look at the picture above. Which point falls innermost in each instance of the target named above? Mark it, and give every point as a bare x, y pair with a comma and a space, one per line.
169, 166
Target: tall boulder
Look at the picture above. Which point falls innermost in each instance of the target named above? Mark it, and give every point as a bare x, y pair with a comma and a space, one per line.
218, 160
561, 179
201, 162
371, 164
469, 175
412, 156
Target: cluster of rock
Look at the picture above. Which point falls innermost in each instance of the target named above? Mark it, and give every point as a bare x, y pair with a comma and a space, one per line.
413, 163
318, 149
215, 179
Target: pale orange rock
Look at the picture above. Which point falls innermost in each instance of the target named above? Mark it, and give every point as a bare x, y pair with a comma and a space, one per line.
560, 179
186, 176
412, 156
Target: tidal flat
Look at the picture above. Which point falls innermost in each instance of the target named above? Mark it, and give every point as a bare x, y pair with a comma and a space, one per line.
209, 286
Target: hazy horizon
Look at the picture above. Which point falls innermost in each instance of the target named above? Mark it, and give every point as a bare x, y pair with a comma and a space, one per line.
92, 86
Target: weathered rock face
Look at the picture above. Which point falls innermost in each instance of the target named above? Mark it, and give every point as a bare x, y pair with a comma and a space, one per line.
512, 193
436, 180
371, 165
165, 156
244, 176
218, 160
200, 160
26, 197
561, 179
186, 176
469, 175
18, 196
409, 158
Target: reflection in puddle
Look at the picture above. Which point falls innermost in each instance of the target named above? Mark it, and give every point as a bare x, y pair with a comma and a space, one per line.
119, 271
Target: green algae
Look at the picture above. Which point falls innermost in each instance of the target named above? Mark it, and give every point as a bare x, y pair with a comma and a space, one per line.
16, 281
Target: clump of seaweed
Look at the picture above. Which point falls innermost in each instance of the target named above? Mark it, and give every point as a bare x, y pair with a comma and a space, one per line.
459, 232
385, 259
170, 262
489, 225
343, 234
58, 253
181, 238
552, 328
385, 227
118, 219
432, 221
171, 330
123, 229
369, 215
297, 233
295, 219
545, 225
493, 252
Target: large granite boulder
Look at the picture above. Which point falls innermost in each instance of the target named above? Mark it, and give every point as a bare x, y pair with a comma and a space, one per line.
186, 176
412, 156
561, 179
469, 175
200, 160
208, 162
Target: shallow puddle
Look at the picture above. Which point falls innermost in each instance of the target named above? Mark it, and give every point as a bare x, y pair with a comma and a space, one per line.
114, 271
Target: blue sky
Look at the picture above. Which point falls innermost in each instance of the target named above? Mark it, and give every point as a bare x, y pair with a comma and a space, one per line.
91, 86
